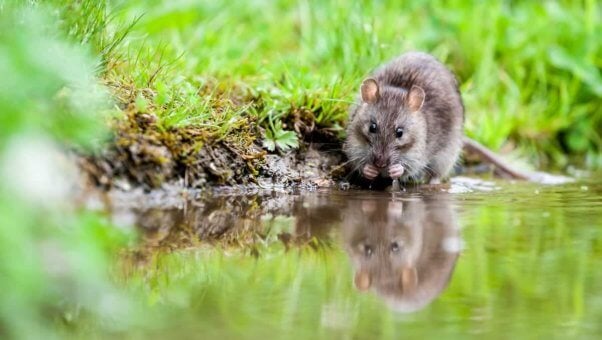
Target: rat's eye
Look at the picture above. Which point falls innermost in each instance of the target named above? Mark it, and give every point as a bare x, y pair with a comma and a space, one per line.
368, 251
372, 127
399, 132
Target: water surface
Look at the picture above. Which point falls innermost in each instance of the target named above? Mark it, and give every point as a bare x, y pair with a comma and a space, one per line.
478, 258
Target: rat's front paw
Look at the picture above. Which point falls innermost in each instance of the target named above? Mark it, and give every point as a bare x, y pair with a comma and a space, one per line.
370, 171
395, 171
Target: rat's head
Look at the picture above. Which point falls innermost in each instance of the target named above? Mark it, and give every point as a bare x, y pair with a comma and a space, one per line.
385, 247
388, 128
405, 252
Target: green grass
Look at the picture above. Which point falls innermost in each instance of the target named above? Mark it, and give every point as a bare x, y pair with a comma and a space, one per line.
530, 71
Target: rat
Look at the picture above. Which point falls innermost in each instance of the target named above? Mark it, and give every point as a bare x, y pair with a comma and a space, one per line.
408, 121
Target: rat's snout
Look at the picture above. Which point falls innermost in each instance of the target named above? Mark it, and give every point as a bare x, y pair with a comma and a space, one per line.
380, 161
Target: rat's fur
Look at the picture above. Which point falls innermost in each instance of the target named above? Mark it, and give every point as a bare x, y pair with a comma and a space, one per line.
432, 133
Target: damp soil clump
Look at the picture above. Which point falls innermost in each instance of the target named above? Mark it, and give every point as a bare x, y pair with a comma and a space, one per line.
143, 153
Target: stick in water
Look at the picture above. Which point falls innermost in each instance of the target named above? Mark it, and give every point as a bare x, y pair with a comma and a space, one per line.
396, 171
396, 186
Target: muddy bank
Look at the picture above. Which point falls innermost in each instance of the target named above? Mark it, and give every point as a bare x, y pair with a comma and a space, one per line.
142, 154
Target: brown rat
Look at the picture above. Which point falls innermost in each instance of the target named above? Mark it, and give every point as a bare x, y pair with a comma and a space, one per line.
408, 121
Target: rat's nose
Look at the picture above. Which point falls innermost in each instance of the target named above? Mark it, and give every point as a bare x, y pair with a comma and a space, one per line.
380, 162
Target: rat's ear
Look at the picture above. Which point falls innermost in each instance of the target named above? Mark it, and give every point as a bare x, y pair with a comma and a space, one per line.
369, 206
369, 91
395, 210
416, 98
409, 279
362, 280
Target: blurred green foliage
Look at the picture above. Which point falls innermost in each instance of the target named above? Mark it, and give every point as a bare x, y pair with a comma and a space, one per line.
48, 84
53, 258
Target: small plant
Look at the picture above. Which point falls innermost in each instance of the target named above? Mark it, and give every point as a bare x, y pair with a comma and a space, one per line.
276, 137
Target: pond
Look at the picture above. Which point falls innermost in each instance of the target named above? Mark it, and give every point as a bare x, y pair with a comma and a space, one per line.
474, 258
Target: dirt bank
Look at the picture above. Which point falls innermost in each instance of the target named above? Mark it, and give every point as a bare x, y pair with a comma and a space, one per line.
141, 153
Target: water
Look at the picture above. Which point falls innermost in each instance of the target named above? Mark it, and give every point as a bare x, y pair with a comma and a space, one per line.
477, 258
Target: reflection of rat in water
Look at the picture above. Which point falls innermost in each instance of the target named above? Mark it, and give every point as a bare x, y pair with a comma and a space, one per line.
405, 252
408, 122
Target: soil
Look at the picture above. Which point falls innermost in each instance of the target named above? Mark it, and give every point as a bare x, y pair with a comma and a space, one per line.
141, 153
